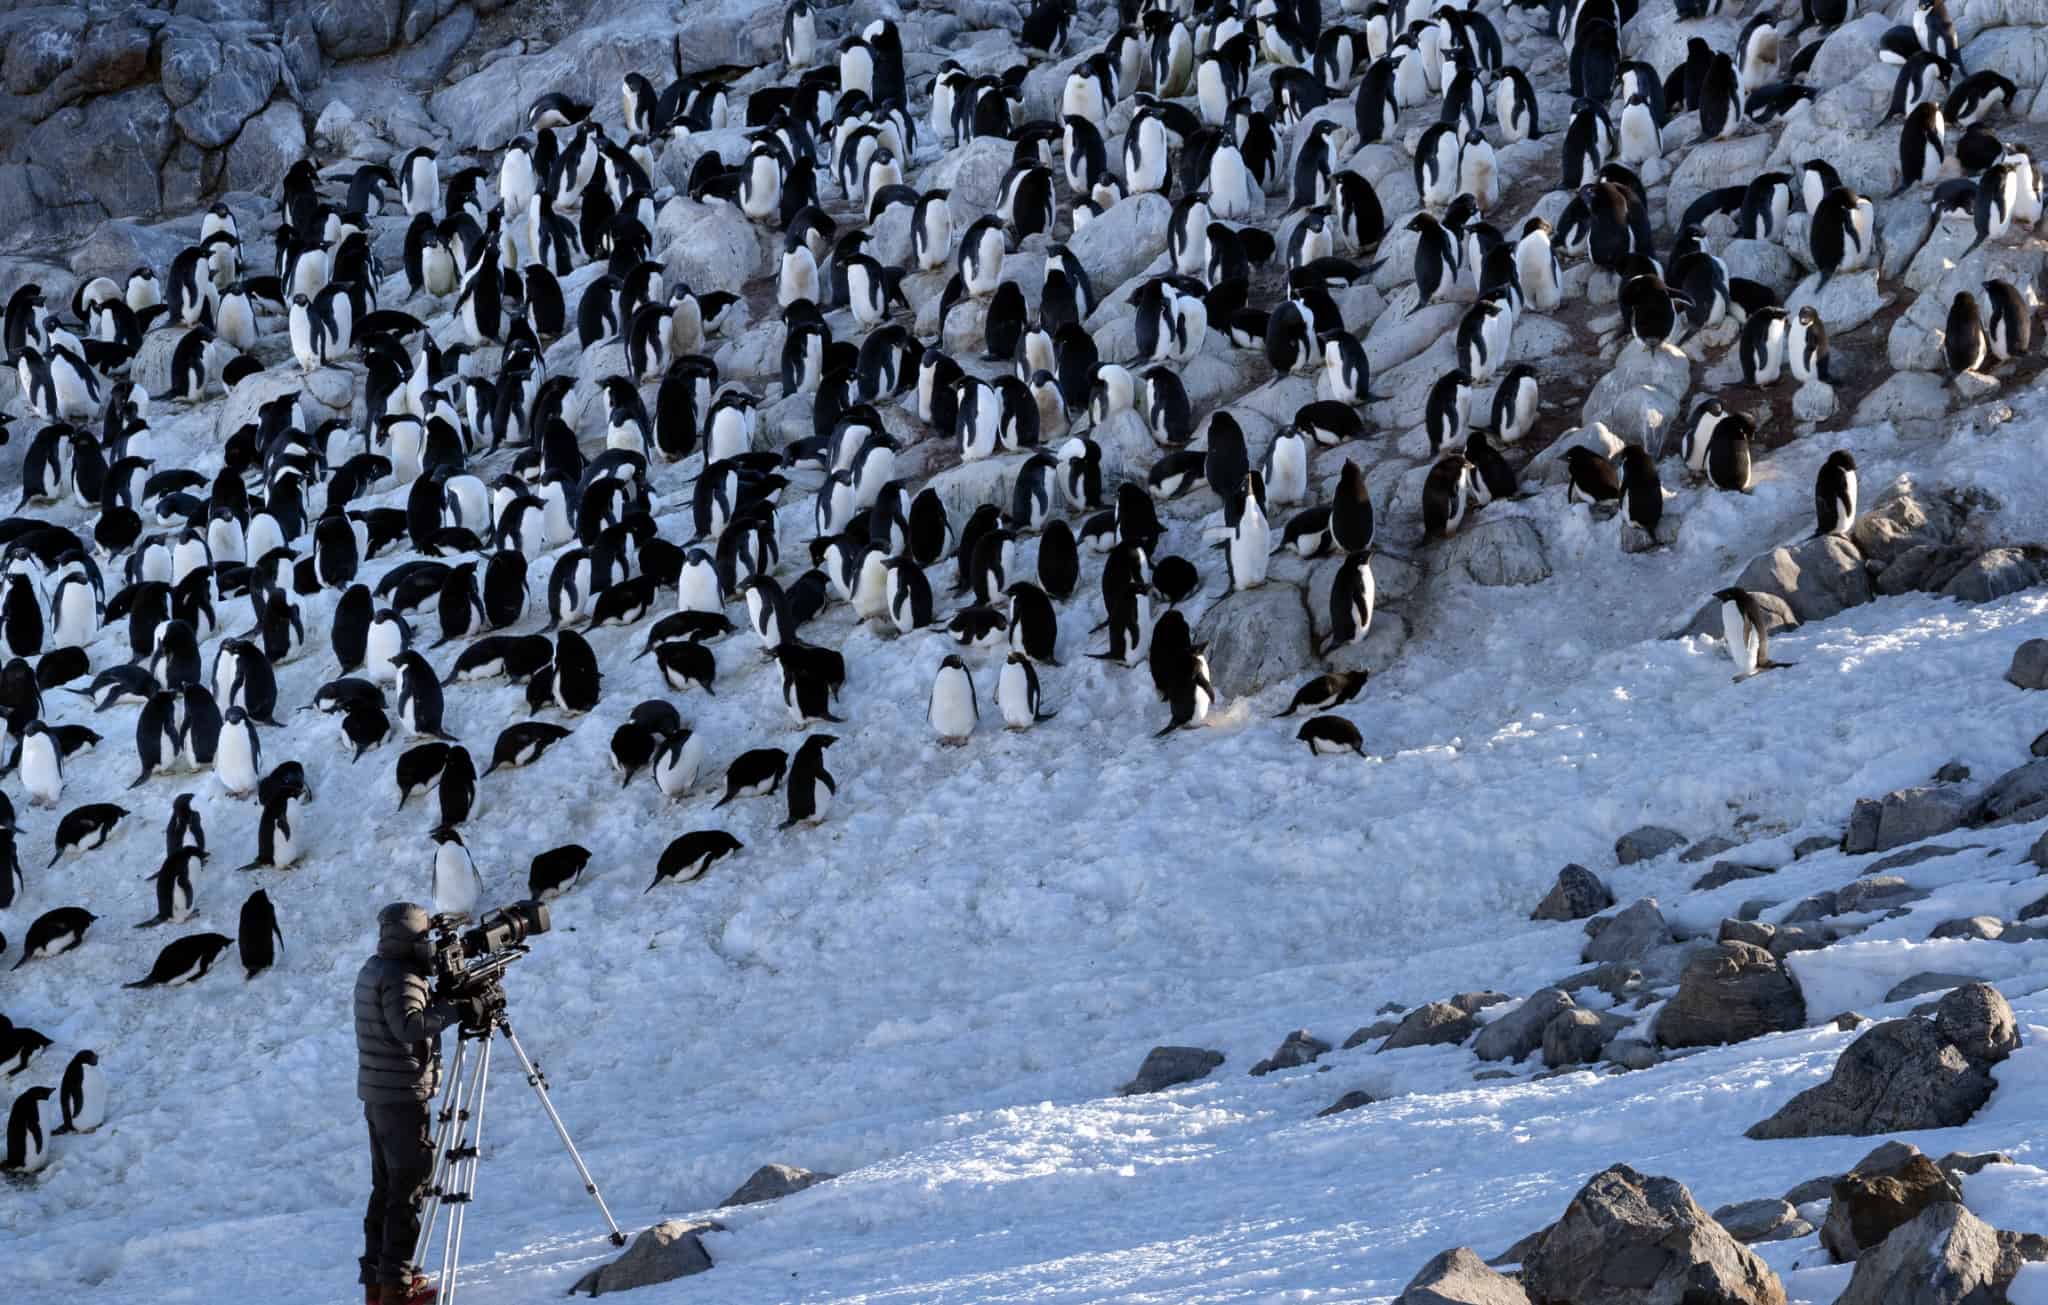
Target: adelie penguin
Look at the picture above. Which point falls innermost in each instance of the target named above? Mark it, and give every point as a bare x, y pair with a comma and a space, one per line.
1642, 490
556, 871
1834, 495
184, 960
688, 857
1326, 691
86, 828
810, 787
55, 932
1744, 628
1330, 735
952, 710
174, 896
28, 1145
1964, 343
754, 773
524, 743
458, 888
258, 937
82, 1095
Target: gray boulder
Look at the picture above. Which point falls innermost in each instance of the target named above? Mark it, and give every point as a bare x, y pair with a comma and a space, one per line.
1499, 552
1874, 893
1256, 637
1351, 1100
1986, 927
1926, 981
1519, 1033
708, 246
1770, 1219
1629, 935
773, 1182
1817, 578
1577, 1036
1123, 242
1722, 873
1460, 1277
1944, 1256
1628, 1239
1906, 517
1977, 1021
1433, 1024
1731, 993
1640, 397
1167, 1067
353, 29
1299, 1048
268, 143
2012, 792
1646, 844
241, 82
1996, 572
1882, 1192
663, 1253
1577, 894
112, 147
2029, 669
1904, 816
1899, 1075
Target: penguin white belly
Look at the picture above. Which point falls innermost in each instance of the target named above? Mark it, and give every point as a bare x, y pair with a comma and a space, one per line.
1013, 695
1250, 546
91, 1109
41, 773
1741, 647
234, 764
286, 847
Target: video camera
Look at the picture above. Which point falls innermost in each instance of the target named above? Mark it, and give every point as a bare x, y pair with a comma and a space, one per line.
467, 963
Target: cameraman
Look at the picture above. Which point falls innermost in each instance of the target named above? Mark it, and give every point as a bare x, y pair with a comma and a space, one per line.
398, 1071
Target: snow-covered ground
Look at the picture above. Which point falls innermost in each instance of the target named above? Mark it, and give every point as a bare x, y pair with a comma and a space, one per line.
938, 992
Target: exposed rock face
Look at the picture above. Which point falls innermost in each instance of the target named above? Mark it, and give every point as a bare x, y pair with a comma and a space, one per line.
1460, 1277
1167, 1067
663, 1253
1434, 1024
1577, 894
1899, 1075
1519, 1033
1878, 1196
1627, 1239
1730, 994
1297, 1050
1944, 1256
773, 1182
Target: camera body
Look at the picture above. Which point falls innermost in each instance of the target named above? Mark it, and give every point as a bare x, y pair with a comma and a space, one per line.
469, 962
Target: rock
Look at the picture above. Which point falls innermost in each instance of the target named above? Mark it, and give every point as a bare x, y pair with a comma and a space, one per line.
240, 84
1577, 1036
1997, 572
1646, 844
1814, 401
1710, 846
1906, 517
2014, 791
1868, 1203
1943, 1256
2029, 669
1904, 816
1517, 1034
708, 246
322, 392
1256, 637
1577, 894
1615, 978
1919, 985
1978, 1022
663, 1253
1769, 1219
1968, 1163
1817, 578
1874, 893
773, 1182
1630, 1053
352, 29
190, 58
1987, 927
1639, 398
1460, 1277
1723, 873
1898, 1075
1909, 400
1627, 1239
269, 143
1122, 242
1436, 1023
1731, 994
1629, 935
1499, 552
1474, 1002
1351, 1100
1297, 1050
1167, 1067
1846, 302
112, 147
1913, 856
1549, 468
1376, 1029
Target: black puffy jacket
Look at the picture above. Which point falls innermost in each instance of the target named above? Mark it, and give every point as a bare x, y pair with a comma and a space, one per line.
398, 1024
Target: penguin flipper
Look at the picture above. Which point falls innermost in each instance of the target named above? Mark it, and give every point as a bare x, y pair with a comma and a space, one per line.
1171, 726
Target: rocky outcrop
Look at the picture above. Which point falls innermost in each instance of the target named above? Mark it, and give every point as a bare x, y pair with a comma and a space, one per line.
1886, 1189
772, 1182
1167, 1067
663, 1253
1577, 894
1433, 1024
1944, 1256
1731, 993
1628, 1239
1460, 1277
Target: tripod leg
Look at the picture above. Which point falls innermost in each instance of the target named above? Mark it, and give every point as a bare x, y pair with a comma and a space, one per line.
444, 1125
464, 1161
540, 1089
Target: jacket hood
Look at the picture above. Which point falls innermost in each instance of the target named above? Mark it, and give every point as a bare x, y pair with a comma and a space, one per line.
402, 933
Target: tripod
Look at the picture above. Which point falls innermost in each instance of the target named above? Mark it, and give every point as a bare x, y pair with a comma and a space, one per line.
458, 1142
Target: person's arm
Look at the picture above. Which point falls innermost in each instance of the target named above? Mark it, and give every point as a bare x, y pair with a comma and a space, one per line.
410, 1014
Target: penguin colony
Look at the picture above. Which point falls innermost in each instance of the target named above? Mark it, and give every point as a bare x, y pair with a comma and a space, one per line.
459, 473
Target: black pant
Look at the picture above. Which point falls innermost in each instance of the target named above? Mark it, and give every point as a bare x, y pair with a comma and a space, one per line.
401, 1162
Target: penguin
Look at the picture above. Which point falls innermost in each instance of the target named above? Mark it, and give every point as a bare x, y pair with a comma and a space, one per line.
1446, 496
174, 897
1351, 514
1922, 150
41, 765
458, 888
677, 763
239, 752
1642, 490
82, 1095
1964, 342
2009, 331
12, 883
86, 828
686, 858
1353, 595
278, 845
27, 1146
1017, 694
1059, 561
1834, 495
556, 871
1762, 346
1189, 692
184, 829
578, 682
810, 788
1743, 628
1592, 478
258, 937
952, 709
1330, 735
20, 1045
1447, 413
755, 773
184, 960
523, 743
1728, 459
1326, 691
1250, 541
1806, 347
1436, 259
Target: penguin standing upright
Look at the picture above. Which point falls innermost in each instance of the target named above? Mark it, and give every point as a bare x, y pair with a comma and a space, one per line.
238, 755
82, 1095
28, 1146
1744, 627
1017, 693
809, 786
1964, 343
952, 710
1834, 494
457, 886
257, 935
